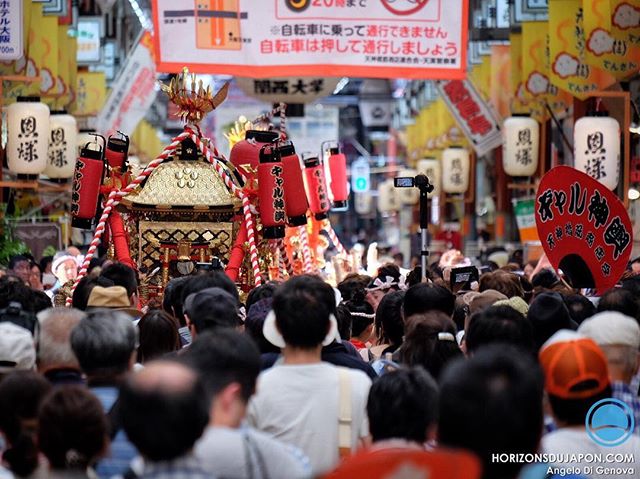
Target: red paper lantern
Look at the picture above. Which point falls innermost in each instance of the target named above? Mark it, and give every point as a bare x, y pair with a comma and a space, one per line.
295, 197
338, 170
245, 155
87, 179
116, 152
271, 193
317, 184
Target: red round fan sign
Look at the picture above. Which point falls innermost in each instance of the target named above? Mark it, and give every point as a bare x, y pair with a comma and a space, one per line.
584, 228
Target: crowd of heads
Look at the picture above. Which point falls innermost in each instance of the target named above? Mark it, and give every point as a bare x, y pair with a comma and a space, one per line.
468, 370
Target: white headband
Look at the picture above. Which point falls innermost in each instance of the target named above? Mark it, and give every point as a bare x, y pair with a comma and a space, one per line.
363, 315
388, 282
446, 337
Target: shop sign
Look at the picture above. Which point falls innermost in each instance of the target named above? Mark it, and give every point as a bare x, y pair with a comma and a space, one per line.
472, 113
288, 89
132, 93
11, 30
89, 34
584, 228
410, 39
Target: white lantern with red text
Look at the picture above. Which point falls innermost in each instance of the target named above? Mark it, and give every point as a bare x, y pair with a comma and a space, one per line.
408, 196
27, 135
388, 200
596, 144
63, 138
456, 168
521, 145
432, 169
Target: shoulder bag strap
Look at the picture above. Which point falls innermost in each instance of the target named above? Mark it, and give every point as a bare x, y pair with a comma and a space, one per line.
345, 418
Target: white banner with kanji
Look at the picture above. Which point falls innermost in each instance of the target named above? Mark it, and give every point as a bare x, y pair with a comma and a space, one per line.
271, 38
132, 93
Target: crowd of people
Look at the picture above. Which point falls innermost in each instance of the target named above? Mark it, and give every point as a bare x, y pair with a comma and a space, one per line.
299, 379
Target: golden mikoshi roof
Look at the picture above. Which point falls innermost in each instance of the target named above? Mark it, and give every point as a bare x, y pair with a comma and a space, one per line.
183, 184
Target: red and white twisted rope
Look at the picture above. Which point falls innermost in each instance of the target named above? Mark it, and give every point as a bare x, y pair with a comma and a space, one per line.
238, 193
285, 258
334, 238
114, 199
306, 250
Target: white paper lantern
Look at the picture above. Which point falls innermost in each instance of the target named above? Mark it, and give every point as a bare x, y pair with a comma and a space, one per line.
388, 200
432, 168
63, 139
408, 196
521, 144
596, 143
456, 169
27, 135
362, 202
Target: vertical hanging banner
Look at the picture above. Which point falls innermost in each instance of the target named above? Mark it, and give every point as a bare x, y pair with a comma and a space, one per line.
91, 92
612, 32
569, 70
473, 115
421, 39
11, 25
132, 93
584, 228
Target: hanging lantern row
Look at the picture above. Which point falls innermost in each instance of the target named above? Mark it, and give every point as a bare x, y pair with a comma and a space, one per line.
40, 141
521, 144
281, 177
596, 143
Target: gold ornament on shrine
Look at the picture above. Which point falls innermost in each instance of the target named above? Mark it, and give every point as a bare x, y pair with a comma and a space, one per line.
193, 100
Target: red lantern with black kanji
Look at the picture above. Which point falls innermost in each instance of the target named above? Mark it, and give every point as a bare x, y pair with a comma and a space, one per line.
296, 204
316, 188
271, 193
338, 171
245, 155
116, 152
87, 179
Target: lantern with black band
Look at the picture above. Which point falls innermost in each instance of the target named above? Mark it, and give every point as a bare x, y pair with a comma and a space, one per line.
317, 188
338, 171
87, 179
116, 152
296, 203
271, 193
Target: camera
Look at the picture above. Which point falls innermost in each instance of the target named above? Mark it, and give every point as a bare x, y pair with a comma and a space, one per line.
419, 181
215, 265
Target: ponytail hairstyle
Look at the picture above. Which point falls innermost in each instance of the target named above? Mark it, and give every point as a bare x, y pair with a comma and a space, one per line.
21, 393
430, 342
361, 312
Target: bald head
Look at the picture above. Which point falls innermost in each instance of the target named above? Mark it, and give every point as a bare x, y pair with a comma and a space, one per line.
164, 410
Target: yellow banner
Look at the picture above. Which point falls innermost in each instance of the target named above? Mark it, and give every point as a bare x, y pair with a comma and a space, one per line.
612, 33
91, 93
500, 83
535, 78
569, 70
517, 90
41, 55
67, 67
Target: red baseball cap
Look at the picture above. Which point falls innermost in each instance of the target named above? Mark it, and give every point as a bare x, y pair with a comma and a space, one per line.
574, 366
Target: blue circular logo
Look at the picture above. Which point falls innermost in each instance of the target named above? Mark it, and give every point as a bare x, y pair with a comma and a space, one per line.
610, 422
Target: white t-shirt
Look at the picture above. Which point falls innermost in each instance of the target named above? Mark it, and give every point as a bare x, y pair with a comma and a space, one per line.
249, 454
577, 441
298, 404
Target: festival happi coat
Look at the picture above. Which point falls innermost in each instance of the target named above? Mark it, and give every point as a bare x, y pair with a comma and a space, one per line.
261, 212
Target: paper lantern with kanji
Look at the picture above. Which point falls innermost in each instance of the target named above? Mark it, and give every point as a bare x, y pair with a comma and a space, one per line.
521, 143
596, 144
362, 202
63, 138
456, 169
433, 170
388, 200
27, 136
408, 196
